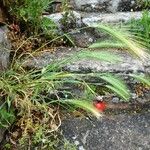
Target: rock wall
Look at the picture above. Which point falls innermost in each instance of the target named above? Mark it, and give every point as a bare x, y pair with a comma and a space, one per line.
84, 13
101, 5
105, 5
4, 60
4, 49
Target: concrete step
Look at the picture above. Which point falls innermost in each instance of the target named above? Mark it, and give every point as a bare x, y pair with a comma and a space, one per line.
118, 17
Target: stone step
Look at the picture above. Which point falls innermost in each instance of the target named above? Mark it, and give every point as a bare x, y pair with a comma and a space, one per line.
122, 132
83, 18
103, 6
123, 68
128, 63
122, 17
106, 5
78, 20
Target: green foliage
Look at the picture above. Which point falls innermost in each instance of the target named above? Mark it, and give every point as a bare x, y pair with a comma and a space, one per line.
7, 146
144, 3
142, 78
99, 55
69, 146
22, 90
122, 36
29, 14
7, 117
25, 88
84, 104
65, 5
141, 29
108, 44
118, 86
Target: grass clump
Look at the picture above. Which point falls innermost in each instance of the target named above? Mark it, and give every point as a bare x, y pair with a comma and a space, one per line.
141, 29
31, 116
143, 3
36, 116
122, 39
20, 92
29, 15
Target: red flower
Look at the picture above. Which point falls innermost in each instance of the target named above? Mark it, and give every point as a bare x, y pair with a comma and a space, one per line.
100, 105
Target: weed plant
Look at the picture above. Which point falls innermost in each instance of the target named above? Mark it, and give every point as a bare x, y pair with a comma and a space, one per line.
144, 3
141, 29
35, 116
31, 116
29, 15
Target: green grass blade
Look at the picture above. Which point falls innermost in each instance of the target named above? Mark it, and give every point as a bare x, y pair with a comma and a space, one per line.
118, 92
108, 44
84, 104
99, 55
142, 78
117, 86
123, 37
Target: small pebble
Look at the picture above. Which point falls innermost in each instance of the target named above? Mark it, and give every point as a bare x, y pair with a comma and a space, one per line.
134, 96
115, 100
90, 40
81, 148
76, 143
74, 137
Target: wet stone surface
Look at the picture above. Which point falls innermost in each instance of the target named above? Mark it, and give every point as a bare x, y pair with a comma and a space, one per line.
122, 132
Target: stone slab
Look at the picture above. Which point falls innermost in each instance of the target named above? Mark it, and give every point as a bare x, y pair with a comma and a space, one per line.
128, 63
78, 23
83, 18
106, 5
122, 132
118, 17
